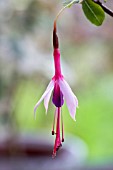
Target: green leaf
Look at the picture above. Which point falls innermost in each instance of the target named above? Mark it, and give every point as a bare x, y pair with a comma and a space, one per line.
93, 12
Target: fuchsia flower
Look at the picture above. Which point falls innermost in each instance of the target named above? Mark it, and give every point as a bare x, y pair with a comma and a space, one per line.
61, 90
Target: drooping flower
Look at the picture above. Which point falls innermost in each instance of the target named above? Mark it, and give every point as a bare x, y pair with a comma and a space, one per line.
61, 91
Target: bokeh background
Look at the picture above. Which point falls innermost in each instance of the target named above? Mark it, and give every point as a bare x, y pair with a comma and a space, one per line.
26, 67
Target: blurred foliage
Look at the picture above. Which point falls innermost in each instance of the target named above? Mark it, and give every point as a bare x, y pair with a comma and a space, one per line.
94, 119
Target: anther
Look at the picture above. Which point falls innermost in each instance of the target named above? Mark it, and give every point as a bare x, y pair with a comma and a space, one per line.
53, 132
62, 139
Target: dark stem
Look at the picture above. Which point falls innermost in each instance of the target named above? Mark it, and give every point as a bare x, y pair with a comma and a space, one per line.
106, 9
55, 37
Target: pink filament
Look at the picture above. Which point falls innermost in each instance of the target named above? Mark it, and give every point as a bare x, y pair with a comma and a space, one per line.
53, 131
62, 129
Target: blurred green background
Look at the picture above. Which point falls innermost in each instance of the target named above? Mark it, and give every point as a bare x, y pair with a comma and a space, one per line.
26, 67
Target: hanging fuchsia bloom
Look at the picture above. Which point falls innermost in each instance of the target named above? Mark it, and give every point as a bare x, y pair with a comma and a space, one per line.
61, 90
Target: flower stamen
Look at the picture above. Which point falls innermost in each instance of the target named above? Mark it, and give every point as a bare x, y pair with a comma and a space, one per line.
54, 120
62, 127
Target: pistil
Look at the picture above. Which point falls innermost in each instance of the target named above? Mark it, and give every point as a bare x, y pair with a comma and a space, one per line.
57, 144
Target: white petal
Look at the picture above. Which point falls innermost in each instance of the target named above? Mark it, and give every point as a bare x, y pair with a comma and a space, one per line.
47, 91
47, 98
69, 96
